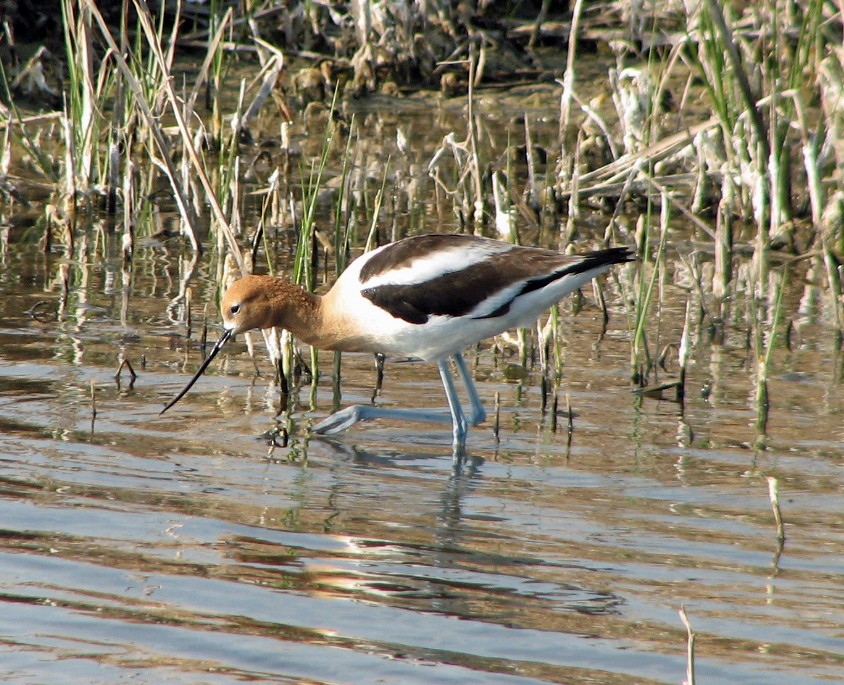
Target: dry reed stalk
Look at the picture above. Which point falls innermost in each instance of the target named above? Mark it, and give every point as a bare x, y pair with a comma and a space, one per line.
93, 404
505, 219
831, 219
151, 120
533, 192
128, 244
472, 141
774, 496
617, 171
119, 137
83, 96
570, 228
684, 354
564, 167
270, 74
723, 248
690, 647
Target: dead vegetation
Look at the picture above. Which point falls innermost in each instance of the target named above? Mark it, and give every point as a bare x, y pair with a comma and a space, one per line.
724, 118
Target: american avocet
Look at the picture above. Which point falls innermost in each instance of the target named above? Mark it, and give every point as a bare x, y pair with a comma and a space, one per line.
426, 296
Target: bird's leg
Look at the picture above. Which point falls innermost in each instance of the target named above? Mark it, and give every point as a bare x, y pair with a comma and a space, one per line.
345, 418
478, 414
460, 426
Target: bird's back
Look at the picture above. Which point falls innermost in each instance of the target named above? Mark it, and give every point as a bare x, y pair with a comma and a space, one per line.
432, 295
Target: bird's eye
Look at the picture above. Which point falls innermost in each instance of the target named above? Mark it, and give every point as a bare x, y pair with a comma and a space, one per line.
234, 309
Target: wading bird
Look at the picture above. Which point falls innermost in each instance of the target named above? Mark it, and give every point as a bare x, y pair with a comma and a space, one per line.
426, 296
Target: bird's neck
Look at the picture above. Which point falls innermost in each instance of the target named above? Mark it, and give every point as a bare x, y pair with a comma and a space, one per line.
319, 321
322, 321
298, 310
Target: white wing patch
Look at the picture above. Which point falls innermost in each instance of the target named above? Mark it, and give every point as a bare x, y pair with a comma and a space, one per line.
430, 265
496, 300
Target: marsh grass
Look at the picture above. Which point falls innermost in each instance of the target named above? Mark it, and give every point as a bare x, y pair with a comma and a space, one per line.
83, 94
743, 159
756, 68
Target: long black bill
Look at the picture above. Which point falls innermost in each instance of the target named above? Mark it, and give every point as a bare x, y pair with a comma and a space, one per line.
227, 333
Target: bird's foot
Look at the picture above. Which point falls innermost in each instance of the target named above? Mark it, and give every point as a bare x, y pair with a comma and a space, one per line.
341, 420
348, 417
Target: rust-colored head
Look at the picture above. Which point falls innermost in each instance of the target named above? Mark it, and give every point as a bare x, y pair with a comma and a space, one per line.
252, 302
255, 302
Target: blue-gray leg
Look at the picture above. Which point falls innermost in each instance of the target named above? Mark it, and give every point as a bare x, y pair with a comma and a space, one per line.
478, 414
345, 418
458, 420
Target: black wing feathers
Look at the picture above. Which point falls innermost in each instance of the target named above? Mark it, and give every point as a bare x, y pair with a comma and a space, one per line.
458, 293
588, 261
453, 294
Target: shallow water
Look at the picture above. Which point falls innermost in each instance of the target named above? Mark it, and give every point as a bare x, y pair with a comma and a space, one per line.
185, 548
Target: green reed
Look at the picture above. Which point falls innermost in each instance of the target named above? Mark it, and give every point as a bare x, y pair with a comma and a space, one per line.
763, 353
304, 267
85, 94
342, 212
640, 359
304, 263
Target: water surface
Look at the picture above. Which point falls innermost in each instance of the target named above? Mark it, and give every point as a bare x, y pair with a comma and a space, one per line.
186, 548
